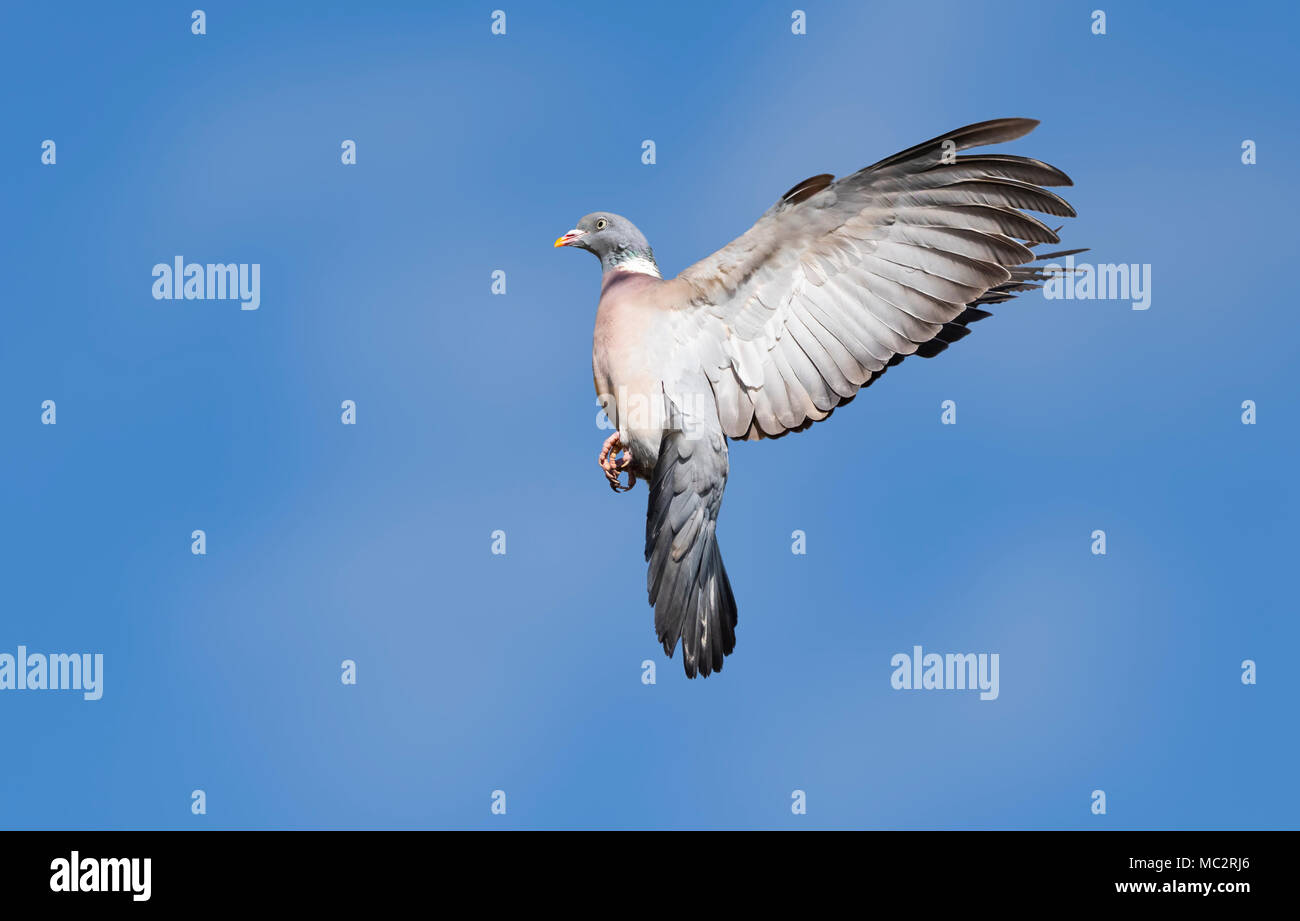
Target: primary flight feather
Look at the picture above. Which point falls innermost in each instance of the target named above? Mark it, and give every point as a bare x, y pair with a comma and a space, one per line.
837, 282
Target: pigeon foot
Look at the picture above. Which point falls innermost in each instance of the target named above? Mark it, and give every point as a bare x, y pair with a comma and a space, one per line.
614, 466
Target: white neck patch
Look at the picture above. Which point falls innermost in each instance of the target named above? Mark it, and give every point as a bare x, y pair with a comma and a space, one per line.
638, 264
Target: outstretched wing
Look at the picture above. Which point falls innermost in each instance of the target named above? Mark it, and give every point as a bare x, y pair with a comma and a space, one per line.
841, 279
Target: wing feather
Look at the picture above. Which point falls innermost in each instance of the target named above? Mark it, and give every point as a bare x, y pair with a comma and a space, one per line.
842, 279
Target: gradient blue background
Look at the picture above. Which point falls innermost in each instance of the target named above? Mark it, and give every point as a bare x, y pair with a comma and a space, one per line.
476, 412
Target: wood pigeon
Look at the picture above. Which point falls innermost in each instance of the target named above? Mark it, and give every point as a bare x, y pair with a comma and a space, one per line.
839, 281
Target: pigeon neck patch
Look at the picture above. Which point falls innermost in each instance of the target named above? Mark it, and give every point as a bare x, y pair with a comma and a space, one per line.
628, 260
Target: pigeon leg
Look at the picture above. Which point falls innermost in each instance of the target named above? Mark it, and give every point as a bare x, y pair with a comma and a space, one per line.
614, 466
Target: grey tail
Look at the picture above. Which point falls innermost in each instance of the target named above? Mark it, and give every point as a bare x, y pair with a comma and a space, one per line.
688, 584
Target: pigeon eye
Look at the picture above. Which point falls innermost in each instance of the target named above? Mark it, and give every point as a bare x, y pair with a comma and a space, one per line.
601, 224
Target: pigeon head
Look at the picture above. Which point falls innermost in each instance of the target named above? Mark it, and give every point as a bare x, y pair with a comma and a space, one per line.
616, 242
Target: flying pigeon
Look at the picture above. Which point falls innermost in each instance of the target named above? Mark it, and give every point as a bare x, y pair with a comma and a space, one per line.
837, 282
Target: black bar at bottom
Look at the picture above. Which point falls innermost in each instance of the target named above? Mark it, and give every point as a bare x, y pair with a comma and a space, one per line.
338, 869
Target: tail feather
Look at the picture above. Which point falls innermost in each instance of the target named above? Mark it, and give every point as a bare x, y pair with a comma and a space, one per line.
687, 583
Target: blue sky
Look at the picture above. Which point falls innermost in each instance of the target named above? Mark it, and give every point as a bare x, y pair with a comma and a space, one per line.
475, 412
